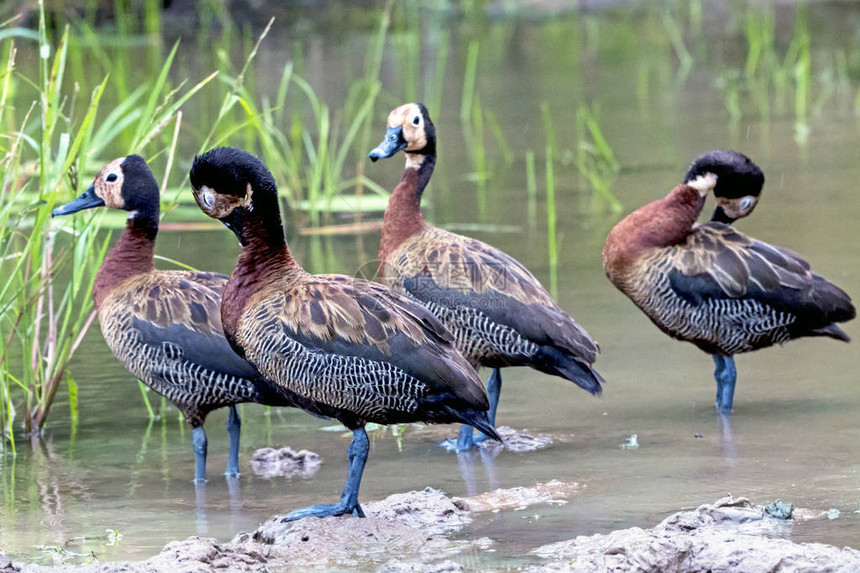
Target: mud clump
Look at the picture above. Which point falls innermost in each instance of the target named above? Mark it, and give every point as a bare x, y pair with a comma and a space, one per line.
512, 440
516, 498
286, 462
731, 535
517, 442
412, 523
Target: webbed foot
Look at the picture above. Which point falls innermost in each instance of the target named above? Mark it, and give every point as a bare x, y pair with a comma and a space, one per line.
323, 510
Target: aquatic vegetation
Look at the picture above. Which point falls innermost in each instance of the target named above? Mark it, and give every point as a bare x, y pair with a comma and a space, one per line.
47, 150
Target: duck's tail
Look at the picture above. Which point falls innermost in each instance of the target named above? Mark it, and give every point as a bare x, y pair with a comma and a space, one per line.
553, 361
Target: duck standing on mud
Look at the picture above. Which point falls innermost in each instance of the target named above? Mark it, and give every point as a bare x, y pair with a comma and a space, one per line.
165, 326
498, 311
350, 348
713, 286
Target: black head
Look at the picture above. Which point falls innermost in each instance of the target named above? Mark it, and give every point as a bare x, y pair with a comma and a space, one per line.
739, 183
125, 183
410, 129
228, 183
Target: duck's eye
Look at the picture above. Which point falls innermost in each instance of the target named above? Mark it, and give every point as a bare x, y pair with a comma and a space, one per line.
746, 203
416, 120
207, 198
111, 178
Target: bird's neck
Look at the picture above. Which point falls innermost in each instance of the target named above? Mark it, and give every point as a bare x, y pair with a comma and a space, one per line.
265, 260
659, 224
131, 255
403, 217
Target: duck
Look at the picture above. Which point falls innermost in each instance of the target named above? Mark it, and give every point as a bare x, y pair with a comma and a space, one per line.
499, 313
353, 349
713, 286
165, 326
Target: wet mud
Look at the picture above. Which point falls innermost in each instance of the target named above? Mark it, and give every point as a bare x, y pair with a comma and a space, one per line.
731, 535
424, 531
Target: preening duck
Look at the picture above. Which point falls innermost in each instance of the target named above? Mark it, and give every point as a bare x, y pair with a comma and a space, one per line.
165, 326
352, 349
713, 286
498, 311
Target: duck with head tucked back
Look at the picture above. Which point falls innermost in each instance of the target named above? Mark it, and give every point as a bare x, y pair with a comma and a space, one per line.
713, 286
165, 326
498, 311
355, 350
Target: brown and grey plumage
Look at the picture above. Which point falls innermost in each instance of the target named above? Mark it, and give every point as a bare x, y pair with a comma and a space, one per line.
353, 349
498, 311
165, 326
713, 286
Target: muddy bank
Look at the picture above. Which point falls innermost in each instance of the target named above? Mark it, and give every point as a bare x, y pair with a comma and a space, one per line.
421, 532
411, 531
732, 535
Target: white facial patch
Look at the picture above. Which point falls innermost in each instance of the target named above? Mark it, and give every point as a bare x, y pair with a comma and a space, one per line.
414, 160
704, 183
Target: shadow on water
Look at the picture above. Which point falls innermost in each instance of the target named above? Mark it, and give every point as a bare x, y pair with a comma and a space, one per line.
794, 431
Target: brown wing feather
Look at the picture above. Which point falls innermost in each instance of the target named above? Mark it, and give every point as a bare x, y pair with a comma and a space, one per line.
164, 298
738, 262
486, 275
333, 339
465, 264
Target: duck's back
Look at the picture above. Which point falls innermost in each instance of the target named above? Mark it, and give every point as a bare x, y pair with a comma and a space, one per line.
499, 312
165, 327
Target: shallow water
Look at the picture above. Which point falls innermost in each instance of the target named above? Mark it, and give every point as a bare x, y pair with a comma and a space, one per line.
794, 434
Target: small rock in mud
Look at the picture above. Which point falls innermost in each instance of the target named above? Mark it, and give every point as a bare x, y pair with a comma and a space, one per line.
779, 509
269, 462
521, 497
517, 442
730, 535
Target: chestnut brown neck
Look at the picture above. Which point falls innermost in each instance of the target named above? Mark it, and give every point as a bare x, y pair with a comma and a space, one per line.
403, 217
659, 224
130, 256
265, 260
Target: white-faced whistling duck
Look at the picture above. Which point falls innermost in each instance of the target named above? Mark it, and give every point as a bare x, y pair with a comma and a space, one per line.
715, 287
165, 326
499, 313
353, 349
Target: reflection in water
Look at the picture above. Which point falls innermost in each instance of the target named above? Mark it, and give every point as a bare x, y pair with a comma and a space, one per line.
201, 505
479, 458
727, 439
